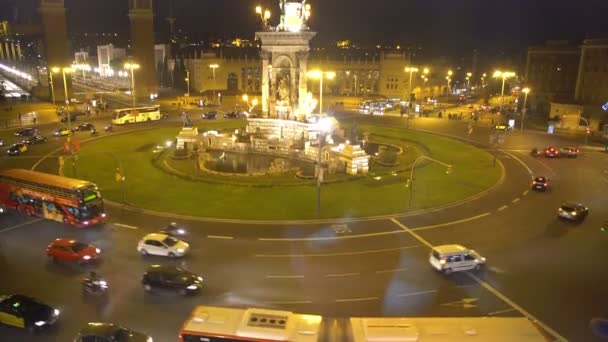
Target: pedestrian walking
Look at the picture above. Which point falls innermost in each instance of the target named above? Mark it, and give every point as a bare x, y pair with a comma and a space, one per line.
34, 120
20, 117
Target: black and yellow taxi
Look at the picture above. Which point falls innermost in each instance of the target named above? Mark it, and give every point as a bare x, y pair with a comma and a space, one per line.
26, 312
17, 149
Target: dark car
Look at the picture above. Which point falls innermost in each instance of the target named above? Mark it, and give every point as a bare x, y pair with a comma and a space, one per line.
172, 278
209, 116
26, 132
64, 118
232, 115
551, 152
17, 149
572, 211
36, 139
83, 127
540, 184
109, 332
26, 312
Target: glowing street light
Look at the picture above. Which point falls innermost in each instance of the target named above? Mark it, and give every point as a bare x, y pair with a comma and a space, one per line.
411, 70
523, 112
213, 67
264, 14
318, 74
67, 112
504, 75
51, 72
188, 83
132, 66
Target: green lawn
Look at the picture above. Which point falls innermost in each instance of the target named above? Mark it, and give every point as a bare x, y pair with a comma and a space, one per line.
148, 187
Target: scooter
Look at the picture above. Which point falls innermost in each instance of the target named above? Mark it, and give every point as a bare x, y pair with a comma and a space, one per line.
96, 288
174, 231
109, 128
93, 132
535, 152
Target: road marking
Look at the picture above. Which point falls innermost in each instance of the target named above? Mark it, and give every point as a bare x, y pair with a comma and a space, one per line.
332, 237
416, 293
220, 237
503, 208
516, 307
605, 179
501, 312
126, 226
355, 299
299, 276
8, 229
416, 236
289, 302
334, 275
515, 200
394, 270
490, 288
451, 223
465, 303
333, 254
526, 192
521, 162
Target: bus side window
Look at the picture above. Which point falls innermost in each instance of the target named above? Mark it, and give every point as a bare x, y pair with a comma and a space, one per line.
13, 197
73, 211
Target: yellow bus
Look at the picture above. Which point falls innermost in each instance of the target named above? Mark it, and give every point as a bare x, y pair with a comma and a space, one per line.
136, 114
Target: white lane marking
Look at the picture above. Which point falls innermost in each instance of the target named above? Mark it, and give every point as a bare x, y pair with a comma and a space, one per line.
8, 229
416, 293
605, 179
501, 312
503, 208
220, 237
298, 276
355, 299
334, 275
416, 236
526, 192
451, 223
332, 237
521, 162
490, 288
332, 254
515, 200
394, 270
126, 226
516, 307
289, 302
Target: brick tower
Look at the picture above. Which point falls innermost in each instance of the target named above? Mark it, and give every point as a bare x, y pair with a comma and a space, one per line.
56, 45
142, 43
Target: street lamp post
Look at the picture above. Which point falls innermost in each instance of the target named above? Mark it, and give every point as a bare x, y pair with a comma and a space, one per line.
132, 67
324, 126
213, 67
188, 84
330, 75
523, 111
469, 75
264, 15
67, 104
411, 180
448, 79
587, 131
504, 75
411, 70
52, 86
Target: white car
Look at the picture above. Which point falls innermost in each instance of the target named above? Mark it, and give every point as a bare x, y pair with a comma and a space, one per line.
162, 244
454, 258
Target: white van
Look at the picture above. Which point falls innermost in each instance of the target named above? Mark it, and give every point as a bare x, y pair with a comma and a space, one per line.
454, 258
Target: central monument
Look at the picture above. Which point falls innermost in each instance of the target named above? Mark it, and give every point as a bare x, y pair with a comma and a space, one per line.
284, 56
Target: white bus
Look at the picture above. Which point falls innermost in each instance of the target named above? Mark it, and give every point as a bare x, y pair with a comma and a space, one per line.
217, 324
137, 114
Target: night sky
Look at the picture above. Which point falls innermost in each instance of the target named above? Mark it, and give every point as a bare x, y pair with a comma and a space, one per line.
444, 25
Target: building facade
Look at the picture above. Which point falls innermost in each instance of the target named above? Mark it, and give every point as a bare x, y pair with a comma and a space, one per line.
106, 54
592, 80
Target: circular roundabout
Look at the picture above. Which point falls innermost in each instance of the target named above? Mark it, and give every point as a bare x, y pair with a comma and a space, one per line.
211, 184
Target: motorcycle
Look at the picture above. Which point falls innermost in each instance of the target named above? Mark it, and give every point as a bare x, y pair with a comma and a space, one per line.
96, 287
535, 152
174, 231
109, 128
93, 132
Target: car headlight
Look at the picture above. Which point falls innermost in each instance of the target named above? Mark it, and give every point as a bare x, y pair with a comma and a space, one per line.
199, 278
192, 287
149, 339
56, 312
87, 257
442, 261
40, 323
97, 250
180, 250
573, 213
103, 283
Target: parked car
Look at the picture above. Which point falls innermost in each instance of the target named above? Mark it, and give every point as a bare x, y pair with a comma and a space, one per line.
72, 250
172, 278
109, 332
572, 211
162, 244
17, 149
570, 152
61, 132
36, 139
26, 312
209, 116
454, 258
26, 132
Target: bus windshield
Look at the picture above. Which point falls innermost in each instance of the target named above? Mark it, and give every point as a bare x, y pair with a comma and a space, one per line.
119, 114
89, 193
90, 210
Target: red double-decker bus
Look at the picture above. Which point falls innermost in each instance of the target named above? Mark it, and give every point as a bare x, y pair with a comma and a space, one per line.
71, 201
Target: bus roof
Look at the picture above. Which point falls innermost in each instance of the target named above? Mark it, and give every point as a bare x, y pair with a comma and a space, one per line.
446, 329
258, 324
44, 178
141, 107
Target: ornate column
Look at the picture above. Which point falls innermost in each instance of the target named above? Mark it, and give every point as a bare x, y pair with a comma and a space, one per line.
265, 56
302, 87
293, 94
273, 92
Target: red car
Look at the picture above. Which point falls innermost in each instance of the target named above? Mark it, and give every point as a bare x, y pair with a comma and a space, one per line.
72, 250
551, 152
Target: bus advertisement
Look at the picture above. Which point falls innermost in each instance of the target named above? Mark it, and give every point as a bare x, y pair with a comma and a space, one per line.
71, 201
136, 114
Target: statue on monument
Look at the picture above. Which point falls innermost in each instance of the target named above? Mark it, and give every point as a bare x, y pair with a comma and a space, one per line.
283, 92
294, 15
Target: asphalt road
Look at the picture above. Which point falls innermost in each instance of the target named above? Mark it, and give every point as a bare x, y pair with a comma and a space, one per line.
537, 265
